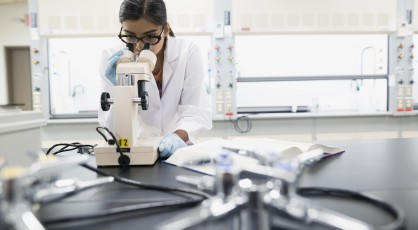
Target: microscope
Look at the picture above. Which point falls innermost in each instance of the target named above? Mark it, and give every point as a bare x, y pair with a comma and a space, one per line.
124, 148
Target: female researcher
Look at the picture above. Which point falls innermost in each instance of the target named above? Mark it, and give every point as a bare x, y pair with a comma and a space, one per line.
179, 105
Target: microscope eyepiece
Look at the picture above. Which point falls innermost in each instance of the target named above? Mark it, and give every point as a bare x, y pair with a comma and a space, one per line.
147, 46
130, 46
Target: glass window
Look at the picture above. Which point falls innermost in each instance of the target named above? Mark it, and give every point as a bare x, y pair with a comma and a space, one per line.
311, 55
277, 70
74, 77
73, 74
368, 95
75, 80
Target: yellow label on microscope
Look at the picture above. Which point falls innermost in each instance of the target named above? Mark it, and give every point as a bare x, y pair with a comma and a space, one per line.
123, 142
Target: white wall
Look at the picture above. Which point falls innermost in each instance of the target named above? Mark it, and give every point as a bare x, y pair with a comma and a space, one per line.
285, 16
66, 17
14, 32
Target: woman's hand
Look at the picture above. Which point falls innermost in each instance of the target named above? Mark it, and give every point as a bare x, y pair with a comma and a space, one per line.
170, 144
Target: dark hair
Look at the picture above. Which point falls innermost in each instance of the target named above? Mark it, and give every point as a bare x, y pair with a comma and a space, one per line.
152, 10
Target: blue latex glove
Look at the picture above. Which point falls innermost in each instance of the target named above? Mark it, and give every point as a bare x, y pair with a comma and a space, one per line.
170, 144
110, 71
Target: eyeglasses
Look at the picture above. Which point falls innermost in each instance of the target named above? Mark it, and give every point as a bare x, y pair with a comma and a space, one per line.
131, 39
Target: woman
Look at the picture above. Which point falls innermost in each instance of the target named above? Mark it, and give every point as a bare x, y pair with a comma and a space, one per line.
179, 105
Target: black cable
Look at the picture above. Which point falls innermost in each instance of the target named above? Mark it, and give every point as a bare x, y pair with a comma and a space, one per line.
148, 186
123, 160
113, 137
238, 128
100, 132
125, 209
395, 211
75, 145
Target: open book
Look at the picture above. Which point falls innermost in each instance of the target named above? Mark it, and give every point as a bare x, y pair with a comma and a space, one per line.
200, 157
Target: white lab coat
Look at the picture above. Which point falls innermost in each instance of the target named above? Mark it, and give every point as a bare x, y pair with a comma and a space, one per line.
184, 103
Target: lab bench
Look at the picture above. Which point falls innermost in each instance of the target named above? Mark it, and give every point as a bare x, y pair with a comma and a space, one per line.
383, 167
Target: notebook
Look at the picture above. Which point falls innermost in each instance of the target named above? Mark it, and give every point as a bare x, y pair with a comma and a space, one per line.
200, 157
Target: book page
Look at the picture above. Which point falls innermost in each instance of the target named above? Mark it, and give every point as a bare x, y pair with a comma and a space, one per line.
327, 149
291, 148
200, 157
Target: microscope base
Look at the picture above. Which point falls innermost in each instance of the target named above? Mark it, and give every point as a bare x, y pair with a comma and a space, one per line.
143, 154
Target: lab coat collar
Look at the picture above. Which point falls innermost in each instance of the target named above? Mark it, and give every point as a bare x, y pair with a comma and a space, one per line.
170, 53
171, 57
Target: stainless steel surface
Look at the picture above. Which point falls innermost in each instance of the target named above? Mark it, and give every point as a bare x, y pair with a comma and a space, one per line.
22, 188
253, 199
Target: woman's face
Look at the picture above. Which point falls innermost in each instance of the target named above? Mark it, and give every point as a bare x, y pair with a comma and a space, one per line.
146, 30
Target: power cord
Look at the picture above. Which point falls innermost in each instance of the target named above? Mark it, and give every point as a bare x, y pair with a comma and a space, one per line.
123, 159
70, 147
397, 213
148, 186
125, 209
238, 128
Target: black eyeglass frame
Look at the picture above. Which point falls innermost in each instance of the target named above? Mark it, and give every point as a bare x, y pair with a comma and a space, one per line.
158, 37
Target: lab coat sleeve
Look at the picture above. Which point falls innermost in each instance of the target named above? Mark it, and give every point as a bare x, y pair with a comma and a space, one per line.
105, 117
194, 111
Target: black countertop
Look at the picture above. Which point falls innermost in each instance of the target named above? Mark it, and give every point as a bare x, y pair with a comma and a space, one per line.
387, 168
